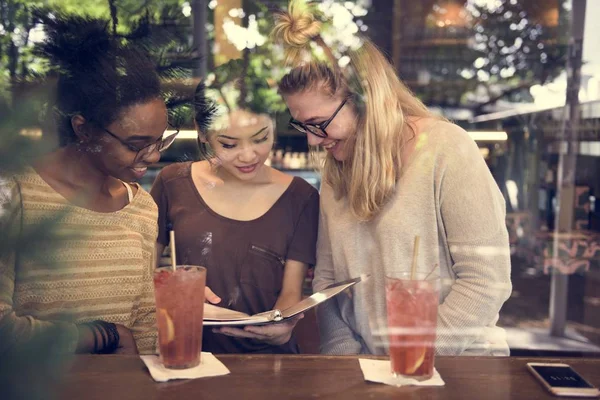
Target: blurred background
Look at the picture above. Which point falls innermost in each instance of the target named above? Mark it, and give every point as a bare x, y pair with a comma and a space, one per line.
521, 76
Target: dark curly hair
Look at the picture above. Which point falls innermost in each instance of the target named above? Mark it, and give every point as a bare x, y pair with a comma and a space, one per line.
99, 74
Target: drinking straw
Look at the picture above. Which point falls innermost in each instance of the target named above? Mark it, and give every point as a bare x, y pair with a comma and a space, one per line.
173, 255
415, 256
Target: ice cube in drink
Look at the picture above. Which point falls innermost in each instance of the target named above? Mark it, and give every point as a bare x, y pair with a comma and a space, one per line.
412, 306
179, 311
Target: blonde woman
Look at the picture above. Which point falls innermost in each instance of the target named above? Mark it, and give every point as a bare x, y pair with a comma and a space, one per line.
254, 228
393, 170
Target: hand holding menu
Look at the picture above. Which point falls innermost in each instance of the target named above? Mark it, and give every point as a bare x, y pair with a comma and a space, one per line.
214, 315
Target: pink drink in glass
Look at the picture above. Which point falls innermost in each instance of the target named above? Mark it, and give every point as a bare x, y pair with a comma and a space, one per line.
179, 311
412, 306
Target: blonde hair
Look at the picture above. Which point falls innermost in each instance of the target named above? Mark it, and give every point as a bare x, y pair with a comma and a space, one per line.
369, 177
296, 28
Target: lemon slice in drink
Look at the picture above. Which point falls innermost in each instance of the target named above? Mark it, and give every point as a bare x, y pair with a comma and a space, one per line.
418, 356
164, 320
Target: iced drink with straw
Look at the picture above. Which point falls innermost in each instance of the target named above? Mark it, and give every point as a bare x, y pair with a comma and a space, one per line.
179, 310
412, 305
179, 293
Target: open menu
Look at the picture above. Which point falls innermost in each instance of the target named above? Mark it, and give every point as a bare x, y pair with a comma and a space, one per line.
215, 315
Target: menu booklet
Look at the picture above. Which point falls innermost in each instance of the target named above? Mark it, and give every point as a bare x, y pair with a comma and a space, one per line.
214, 315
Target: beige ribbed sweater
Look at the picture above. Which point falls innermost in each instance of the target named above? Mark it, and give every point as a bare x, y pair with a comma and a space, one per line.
448, 197
97, 266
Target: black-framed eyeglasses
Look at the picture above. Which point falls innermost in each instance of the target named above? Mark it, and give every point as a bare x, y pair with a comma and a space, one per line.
316, 129
142, 152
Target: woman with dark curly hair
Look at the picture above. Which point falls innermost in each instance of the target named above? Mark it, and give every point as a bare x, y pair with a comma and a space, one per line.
92, 282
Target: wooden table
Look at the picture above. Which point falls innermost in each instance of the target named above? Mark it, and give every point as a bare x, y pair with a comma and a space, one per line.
307, 377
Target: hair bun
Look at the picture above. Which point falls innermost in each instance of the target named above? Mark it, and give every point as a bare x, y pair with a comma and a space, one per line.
296, 27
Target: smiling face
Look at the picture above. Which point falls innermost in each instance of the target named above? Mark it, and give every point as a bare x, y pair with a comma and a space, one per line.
316, 107
242, 148
113, 149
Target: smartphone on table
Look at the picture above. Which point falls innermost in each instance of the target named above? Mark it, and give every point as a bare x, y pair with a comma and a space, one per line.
562, 380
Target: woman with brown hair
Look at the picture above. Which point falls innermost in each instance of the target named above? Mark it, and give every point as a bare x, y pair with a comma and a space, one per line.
253, 227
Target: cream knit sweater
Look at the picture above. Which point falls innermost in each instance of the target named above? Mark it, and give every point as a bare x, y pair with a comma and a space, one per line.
448, 197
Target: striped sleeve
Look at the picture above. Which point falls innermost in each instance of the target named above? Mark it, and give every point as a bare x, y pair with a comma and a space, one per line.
144, 327
18, 332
